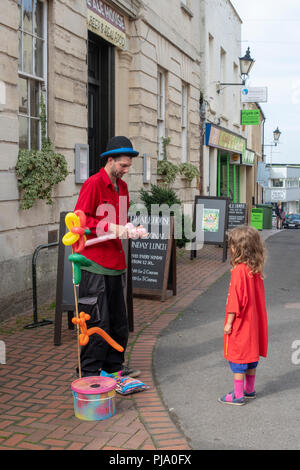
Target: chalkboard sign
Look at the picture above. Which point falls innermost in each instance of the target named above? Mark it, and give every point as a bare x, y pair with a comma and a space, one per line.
237, 215
65, 301
212, 219
154, 259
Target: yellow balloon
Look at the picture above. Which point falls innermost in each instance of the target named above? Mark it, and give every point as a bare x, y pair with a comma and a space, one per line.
72, 220
70, 238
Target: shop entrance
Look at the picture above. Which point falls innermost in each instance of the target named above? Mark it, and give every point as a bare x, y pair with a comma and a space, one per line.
101, 98
228, 178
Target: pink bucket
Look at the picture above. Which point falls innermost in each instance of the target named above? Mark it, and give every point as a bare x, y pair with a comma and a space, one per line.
94, 398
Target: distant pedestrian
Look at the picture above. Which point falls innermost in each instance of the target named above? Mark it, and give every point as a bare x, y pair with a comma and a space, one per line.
280, 215
246, 328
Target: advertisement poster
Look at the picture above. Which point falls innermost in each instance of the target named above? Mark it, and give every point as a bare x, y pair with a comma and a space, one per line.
211, 220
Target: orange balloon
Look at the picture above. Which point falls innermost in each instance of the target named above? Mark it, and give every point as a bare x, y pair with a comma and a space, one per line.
86, 333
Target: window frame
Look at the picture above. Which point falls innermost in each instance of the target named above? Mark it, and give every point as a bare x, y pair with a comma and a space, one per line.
161, 110
42, 81
184, 122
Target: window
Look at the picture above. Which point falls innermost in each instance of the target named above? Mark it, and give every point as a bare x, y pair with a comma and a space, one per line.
277, 183
32, 69
161, 110
212, 84
292, 183
184, 112
223, 75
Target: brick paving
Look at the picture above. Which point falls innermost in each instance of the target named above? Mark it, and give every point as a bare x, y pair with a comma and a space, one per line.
36, 404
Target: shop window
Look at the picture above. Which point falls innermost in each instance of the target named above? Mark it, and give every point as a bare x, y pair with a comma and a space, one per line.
32, 69
161, 111
228, 179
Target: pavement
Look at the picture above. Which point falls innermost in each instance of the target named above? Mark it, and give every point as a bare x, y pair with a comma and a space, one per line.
36, 404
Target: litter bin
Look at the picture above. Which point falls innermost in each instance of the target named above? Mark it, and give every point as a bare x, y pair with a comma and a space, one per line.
257, 216
267, 217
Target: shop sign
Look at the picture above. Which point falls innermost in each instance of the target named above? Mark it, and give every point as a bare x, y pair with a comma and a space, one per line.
106, 22
248, 157
254, 95
217, 137
250, 117
278, 195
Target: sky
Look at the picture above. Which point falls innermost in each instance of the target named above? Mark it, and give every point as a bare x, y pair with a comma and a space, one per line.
271, 28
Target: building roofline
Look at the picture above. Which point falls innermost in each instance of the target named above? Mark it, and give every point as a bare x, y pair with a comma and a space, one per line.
283, 165
240, 19
261, 110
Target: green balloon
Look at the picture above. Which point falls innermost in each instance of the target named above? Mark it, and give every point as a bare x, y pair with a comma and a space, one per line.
78, 261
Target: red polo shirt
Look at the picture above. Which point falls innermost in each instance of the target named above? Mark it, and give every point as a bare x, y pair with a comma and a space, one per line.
246, 298
101, 204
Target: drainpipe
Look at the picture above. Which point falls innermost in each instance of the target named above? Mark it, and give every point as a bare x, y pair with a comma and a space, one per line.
263, 157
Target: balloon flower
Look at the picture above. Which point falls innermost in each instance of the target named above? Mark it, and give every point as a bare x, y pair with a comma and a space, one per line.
76, 223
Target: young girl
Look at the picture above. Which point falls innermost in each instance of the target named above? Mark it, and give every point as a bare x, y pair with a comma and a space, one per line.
246, 329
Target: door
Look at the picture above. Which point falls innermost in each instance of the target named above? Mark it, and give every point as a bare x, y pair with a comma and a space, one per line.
101, 101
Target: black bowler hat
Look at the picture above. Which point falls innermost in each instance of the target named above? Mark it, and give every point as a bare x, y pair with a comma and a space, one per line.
119, 145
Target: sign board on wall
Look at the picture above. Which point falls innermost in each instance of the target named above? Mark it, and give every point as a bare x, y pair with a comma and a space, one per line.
214, 221
250, 117
219, 138
105, 21
248, 158
278, 195
254, 95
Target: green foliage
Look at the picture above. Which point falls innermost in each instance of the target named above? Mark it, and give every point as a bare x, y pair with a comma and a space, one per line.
189, 171
39, 170
162, 195
165, 143
158, 195
168, 171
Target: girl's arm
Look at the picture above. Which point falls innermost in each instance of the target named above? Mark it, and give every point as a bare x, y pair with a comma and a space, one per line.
228, 326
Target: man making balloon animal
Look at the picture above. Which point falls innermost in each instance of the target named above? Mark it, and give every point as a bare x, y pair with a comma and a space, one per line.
105, 201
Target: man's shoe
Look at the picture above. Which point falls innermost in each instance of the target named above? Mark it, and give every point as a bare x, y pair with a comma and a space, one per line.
128, 371
124, 372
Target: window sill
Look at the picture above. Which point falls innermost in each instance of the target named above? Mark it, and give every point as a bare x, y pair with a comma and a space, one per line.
186, 10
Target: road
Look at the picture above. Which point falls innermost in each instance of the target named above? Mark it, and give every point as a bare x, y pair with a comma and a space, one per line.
191, 372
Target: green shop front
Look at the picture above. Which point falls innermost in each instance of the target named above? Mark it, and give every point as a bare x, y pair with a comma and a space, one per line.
231, 148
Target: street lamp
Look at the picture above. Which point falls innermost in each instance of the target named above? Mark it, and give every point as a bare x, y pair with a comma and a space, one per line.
276, 137
246, 64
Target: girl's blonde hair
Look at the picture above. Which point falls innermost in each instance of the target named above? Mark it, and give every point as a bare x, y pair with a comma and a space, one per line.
246, 246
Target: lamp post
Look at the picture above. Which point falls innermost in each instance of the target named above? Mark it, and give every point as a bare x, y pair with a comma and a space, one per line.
276, 137
246, 64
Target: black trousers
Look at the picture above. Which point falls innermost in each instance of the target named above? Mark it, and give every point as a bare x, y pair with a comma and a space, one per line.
102, 297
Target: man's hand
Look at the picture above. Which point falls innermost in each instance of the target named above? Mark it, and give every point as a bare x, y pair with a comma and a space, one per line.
120, 231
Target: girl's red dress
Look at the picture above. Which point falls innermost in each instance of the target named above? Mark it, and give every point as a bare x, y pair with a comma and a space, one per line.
246, 298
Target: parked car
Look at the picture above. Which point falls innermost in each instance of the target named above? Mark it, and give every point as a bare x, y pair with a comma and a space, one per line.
292, 221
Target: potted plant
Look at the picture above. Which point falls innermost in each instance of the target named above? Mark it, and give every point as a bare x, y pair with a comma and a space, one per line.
39, 170
167, 170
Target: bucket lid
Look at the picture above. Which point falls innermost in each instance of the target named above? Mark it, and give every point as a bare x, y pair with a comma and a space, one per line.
94, 385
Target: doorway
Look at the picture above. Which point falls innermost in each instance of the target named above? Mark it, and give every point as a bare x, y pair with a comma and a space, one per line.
101, 98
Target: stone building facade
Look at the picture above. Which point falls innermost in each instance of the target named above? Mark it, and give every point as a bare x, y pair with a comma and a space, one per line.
229, 151
126, 67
